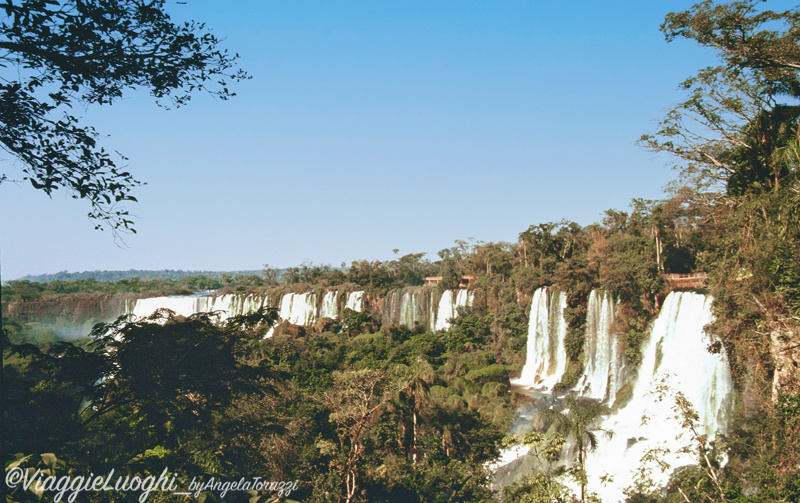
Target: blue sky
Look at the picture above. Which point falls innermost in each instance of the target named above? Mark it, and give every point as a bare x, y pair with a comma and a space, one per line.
369, 126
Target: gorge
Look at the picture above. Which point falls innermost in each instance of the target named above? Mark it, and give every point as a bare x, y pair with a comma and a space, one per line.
641, 398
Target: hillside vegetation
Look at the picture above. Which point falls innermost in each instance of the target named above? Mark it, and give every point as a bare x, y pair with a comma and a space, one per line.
357, 411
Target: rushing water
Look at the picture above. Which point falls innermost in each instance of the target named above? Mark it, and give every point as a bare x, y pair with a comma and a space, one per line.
400, 307
299, 308
602, 361
410, 309
675, 360
330, 305
448, 307
225, 305
355, 301
546, 358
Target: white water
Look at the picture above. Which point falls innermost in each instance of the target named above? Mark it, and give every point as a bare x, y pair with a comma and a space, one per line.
330, 305
448, 307
295, 308
403, 307
602, 363
237, 305
546, 357
409, 309
183, 306
299, 308
355, 301
225, 305
675, 356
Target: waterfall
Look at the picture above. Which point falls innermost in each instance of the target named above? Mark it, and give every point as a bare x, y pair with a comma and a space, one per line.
330, 305
299, 308
445, 311
390, 309
186, 305
406, 307
183, 305
355, 301
401, 307
233, 304
448, 307
601, 362
411, 309
546, 357
675, 357
296, 308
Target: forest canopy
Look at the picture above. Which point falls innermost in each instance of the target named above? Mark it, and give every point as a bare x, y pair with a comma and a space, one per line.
362, 410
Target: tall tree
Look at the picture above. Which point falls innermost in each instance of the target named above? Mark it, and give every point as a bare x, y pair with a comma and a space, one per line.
578, 421
412, 385
356, 401
56, 55
731, 131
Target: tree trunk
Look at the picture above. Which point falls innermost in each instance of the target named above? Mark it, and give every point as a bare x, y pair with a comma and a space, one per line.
659, 249
414, 440
583, 472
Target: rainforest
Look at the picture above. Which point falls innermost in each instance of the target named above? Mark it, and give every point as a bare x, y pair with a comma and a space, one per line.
650, 357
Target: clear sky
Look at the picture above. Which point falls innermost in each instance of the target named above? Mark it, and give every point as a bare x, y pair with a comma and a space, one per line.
374, 125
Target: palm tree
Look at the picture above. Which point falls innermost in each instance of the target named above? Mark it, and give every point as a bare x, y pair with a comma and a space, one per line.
578, 420
412, 393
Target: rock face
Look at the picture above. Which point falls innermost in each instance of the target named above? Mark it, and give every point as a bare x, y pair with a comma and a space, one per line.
73, 309
785, 349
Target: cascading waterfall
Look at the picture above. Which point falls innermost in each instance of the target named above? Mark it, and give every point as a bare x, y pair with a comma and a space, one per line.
448, 307
236, 305
330, 305
464, 298
225, 305
602, 362
390, 309
183, 305
409, 307
546, 357
355, 301
402, 307
445, 311
299, 308
675, 360
405, 307
545, 363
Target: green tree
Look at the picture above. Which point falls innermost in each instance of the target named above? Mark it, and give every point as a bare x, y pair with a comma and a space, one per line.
542, 486
158, 397
412, 383
58, 56
578, 422
356, 402
739, 115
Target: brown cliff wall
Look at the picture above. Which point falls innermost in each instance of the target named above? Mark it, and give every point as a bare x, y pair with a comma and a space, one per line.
70, 308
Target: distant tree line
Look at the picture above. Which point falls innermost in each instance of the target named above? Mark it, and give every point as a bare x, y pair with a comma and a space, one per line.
130, 273
371, 413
